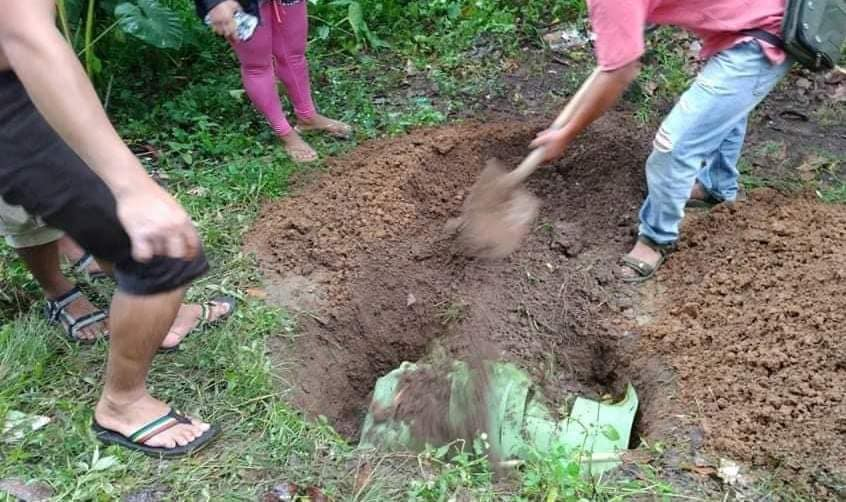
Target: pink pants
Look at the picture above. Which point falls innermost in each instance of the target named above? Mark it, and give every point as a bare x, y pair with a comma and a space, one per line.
278, 44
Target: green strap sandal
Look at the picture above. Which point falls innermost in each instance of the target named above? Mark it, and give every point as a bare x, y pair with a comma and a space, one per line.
136, 440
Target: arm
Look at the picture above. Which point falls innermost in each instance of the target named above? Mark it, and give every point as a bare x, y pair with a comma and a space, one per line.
59, 88
602, 94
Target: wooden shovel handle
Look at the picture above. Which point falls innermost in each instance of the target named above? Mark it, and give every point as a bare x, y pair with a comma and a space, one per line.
535, 158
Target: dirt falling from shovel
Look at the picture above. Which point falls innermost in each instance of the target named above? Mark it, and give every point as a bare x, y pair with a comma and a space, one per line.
496, 217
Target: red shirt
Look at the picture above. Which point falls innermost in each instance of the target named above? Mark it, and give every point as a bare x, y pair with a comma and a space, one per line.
619, 25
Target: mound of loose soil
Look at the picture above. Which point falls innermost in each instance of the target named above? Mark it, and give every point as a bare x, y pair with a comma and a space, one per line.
386, 285
753, 321
749, 310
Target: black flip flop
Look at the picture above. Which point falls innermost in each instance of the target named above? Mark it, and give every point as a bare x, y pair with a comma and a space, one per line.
135, 440
56, 314
204, 323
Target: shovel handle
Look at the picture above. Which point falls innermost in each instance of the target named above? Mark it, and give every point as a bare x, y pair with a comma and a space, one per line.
535, 158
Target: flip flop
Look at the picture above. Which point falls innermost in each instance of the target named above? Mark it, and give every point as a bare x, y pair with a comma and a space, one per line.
135, 441
56, 313
645, 271
346, 134
81, 265
203, 322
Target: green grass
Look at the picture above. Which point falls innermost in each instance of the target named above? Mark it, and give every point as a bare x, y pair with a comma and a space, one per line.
222, 162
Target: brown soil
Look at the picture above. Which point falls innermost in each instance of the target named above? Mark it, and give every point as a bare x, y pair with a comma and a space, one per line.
753, 322
745, 339
371, 235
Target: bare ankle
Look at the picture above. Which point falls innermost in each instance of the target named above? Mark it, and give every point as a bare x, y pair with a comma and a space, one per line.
114, 403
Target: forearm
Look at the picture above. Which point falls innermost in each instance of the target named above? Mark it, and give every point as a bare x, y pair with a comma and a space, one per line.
602, 94
59, 88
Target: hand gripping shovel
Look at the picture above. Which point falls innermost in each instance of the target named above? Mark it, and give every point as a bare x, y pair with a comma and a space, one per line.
498, 213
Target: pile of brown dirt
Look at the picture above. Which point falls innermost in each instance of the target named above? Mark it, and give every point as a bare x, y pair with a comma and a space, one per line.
388, 285
749, 316
753, 321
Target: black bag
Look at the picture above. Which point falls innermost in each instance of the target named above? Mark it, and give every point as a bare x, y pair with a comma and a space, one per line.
813, 32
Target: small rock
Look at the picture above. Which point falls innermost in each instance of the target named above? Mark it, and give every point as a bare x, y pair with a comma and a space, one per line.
28, 492
444, 148
154, 494
411, 300
803, 83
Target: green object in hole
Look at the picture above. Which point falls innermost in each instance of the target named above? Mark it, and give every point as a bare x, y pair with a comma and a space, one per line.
518, 421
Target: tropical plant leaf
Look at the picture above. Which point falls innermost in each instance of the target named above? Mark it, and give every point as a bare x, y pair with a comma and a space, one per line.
356, 19
151, 22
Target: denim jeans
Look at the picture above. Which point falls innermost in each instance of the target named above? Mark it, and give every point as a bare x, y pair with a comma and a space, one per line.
702, 137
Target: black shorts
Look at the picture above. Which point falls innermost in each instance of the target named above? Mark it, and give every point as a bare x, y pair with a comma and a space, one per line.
39, 172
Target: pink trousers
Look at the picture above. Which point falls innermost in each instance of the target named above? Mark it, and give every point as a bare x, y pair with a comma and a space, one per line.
277, 50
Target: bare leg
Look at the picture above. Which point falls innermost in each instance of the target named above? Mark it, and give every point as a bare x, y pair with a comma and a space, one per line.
139, 324
188, 318
71, 251
43, 262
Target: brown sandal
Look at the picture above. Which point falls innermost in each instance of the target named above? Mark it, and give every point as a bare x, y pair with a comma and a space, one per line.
644, 270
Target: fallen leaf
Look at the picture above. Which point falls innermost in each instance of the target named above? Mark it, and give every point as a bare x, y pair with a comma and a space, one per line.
729, 471
259, 293
28, 492
637, 456
17, 424
198, 191
315, 494
810, 166
363, 477
410, 300
707, 471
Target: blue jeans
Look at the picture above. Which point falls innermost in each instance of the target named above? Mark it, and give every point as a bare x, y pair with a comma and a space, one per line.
702, 137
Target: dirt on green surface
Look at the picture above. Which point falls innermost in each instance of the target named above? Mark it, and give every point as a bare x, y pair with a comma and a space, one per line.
362, 253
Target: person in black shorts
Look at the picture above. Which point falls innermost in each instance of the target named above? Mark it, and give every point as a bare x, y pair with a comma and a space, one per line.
61, 160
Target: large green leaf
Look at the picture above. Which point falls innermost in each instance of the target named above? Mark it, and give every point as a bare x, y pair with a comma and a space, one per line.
151, 22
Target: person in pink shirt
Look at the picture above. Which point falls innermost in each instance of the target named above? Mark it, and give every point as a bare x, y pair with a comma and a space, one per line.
696, 149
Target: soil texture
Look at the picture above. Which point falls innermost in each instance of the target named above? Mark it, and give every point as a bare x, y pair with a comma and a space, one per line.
752, 320
736, 350
370, 233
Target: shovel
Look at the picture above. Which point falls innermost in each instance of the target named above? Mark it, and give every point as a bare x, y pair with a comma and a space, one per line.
498, 213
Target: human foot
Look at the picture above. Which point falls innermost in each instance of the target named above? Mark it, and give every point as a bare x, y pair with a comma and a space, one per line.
150, 426
297, 149
82, 321
194, 316
641, 262
318, 122
700, 198
80, 260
